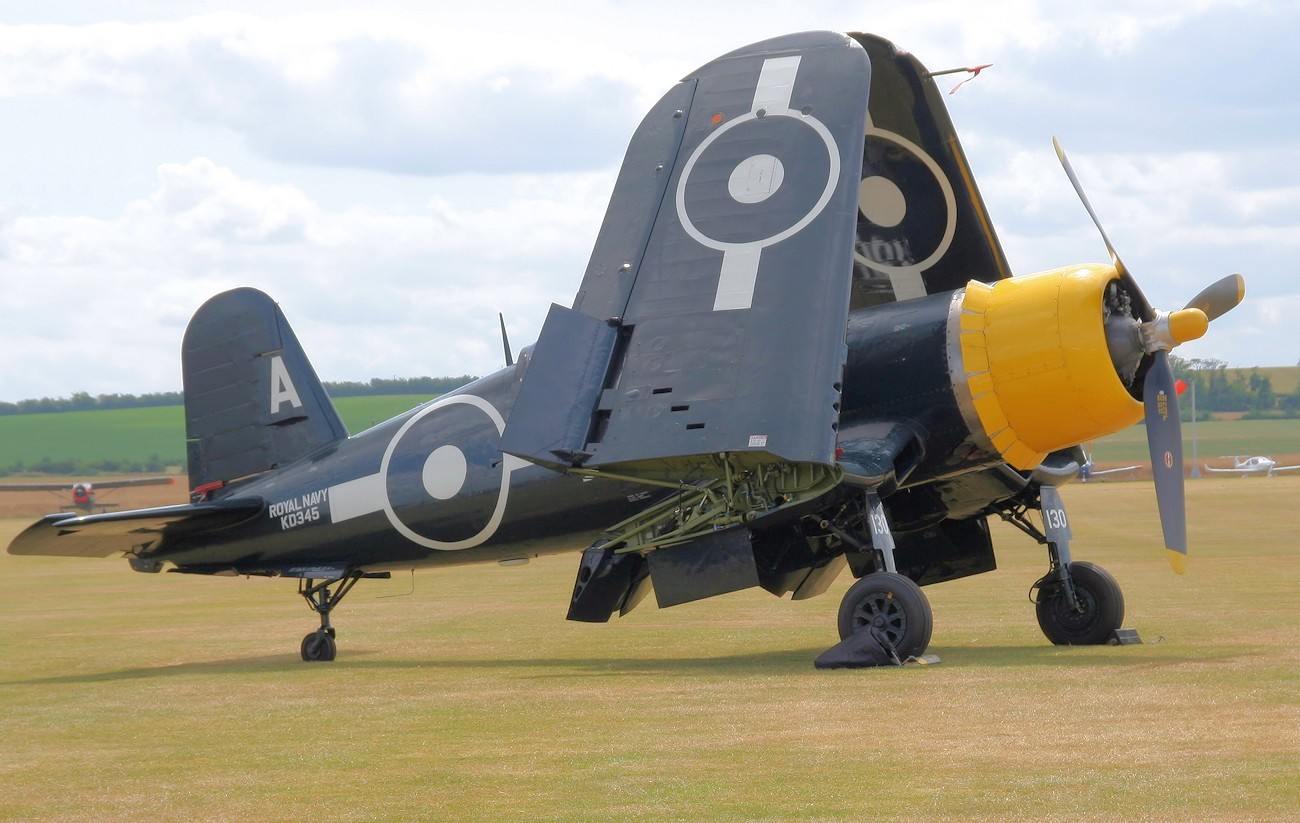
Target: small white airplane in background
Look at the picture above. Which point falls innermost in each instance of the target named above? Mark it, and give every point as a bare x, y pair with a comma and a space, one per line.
1246, 466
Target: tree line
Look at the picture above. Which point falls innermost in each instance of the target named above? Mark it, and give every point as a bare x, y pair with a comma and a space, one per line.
1220, 390
83, 401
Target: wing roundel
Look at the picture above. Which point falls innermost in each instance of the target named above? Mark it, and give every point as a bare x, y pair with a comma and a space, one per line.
922, 227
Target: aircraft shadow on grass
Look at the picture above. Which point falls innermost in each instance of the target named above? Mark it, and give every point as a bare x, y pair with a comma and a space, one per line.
787, 661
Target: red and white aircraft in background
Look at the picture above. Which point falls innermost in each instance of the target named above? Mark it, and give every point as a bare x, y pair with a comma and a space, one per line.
83, 493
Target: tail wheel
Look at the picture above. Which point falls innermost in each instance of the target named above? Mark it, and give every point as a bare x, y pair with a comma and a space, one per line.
319, 646
892, 603
1100, 612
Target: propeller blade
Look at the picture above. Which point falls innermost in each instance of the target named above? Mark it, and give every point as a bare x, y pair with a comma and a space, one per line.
1221, 297
505, 341
1145, 312
1165, 440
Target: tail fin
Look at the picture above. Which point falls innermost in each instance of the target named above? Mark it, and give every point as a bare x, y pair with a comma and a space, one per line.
252, 399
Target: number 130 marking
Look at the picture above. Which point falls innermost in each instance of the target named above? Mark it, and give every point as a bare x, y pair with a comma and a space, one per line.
1055, 519
878, 522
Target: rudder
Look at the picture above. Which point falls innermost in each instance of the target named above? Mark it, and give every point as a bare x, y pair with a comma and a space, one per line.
252, 399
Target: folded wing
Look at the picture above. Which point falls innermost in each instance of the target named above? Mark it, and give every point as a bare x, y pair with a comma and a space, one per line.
711, 317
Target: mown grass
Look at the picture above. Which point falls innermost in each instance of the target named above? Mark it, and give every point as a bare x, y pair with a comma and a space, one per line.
138, 697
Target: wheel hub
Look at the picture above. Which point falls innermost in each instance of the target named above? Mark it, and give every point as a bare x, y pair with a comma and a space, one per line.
1082, 617
883, 612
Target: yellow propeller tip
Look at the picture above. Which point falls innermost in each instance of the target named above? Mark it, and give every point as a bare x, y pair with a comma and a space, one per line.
1177, 561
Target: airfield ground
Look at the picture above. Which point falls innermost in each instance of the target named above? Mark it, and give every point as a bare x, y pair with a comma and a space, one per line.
464, 694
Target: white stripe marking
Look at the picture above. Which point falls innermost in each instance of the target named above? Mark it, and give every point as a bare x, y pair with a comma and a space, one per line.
776, 83
357, 497
739, 274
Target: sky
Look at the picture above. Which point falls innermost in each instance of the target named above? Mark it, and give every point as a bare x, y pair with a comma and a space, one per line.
394, 174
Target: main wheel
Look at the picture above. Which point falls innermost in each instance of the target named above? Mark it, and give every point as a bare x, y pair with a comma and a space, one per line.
893, 604
1100, 613
319, 646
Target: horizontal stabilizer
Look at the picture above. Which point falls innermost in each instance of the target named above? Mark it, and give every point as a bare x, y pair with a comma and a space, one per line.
110, 533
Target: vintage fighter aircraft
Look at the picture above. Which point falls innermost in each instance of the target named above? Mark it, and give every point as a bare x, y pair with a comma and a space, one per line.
797, 347
1247, 466
81, 495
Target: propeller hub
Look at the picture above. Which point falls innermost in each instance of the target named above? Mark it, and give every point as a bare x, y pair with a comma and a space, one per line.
1123, 332
1169, 329
1188, 324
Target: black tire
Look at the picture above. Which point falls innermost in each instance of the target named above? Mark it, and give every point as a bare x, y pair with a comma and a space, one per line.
1102, 602
895, 605
319, 646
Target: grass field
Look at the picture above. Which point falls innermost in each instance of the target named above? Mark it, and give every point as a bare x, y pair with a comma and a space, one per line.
142, 697
135, 434
1276, 438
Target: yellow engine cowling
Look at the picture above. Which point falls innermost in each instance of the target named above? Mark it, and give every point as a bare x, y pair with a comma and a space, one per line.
1035, 362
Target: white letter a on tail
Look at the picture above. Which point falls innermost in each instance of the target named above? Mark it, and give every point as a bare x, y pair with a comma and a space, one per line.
282, 390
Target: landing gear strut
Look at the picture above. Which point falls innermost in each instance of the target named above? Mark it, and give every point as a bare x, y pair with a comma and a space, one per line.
1077, 603
1098, 608
883, 599
320, 644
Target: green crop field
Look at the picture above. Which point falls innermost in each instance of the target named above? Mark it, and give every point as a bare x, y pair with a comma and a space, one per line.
94, 436
1213, 439
464, 695
134, 435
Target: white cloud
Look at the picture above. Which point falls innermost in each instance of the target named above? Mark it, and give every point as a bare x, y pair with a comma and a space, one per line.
342, 89
373, 290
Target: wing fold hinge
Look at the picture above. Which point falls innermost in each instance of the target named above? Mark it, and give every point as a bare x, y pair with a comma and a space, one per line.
741, 494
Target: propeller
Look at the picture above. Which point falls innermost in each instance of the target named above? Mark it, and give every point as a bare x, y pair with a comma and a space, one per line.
1219, 298
1152, 335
